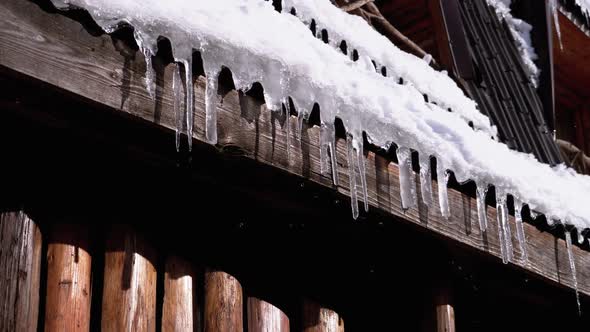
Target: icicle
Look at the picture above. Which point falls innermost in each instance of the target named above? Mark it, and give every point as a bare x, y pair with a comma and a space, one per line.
363, 173
481, 207
188, 71
177, 87
555, 12
143, 41
442, 177
211, 106
427, 58
352, 176
425, 179
504, 233
332, 145
406, 178
288, 128
300, 118
328, 153
520, 230
324, 147
570, 255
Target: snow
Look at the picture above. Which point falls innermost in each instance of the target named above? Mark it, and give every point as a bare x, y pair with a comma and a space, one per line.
521, 32
249, 37
585, 7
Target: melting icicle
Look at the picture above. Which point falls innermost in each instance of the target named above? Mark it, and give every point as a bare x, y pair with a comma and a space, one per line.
144, 43
363, 172
211, 106
442, 177
555, 12
288, 128
300, 118
406, 178
352, 176
177, 87
520, 230
425, 179
570, 255
481, 207
324, 147
188, 71
427, 58
504, 233
332, 145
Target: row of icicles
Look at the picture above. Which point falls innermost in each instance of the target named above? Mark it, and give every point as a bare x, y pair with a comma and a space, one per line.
183, 107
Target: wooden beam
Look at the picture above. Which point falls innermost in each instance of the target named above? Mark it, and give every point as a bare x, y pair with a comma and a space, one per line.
445, 311
317, 318
223, 303
67, 306
57, 50
180, 311
20, 266
263, 316
129, 289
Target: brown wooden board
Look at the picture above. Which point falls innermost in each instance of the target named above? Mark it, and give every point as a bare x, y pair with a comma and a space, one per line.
58, 50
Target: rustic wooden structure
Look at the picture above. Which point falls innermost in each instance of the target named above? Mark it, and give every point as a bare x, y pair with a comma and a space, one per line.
141, 284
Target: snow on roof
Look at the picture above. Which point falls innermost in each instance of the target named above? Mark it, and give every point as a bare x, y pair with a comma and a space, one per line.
585, 8
259, 44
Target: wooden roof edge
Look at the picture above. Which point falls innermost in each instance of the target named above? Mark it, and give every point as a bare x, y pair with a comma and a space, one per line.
55, 49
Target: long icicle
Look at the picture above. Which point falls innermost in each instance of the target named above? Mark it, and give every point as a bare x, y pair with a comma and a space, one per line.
520, 230
188, 71
481, 192
363, 173
324, 147
507, 230
500, 215
211, 106
352, 176
425, 179
442, 178
333, 152
178, 102
288, 128
570, 255
407, 182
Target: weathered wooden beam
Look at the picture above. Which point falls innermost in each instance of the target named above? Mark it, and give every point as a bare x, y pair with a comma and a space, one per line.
263, 316
317, 318
445, 311
57, 50
223, 303
67, 305
129, 289
20, 266
180, 311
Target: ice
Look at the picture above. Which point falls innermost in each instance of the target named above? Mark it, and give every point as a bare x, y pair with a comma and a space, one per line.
190, 95
425, 179
407, 181
178, 102
363, 173
211, 106
352, 176
288, 128
482, 218
148, 47
328, 151
520, 234
504, 232
570, 256
442, 178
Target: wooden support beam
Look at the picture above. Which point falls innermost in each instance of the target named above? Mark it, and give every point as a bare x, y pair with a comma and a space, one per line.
180, 312
20, 266
263, 317
317, 318
223, 303
67, 305
129, 290
445, 312
57, 50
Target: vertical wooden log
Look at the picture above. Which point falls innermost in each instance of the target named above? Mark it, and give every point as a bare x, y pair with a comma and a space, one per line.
319, 319
180, 312
445, 313
68, 279
264, 317
20, 269
223, 303
129, 289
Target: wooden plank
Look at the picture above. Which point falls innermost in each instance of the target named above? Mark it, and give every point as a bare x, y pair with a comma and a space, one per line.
129, 291
223, 303
180, 308
317, 318
67, 306
57, 50
263, 317
445, 312
20, 266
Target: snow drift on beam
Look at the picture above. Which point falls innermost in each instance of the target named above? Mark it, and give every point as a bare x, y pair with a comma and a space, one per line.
258, 44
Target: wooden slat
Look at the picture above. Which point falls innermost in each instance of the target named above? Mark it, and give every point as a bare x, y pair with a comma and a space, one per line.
20, 265
223, 303
317, 318
264, 317
129, 291
67, 305
57, 50
180, 312
445, 312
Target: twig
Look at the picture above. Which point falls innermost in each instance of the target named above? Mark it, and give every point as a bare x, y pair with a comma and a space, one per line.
354, 5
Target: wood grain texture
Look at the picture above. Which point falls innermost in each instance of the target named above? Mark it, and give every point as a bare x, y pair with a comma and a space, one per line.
264, 317
68, 279
223, 303
445, 311
129, 290
180, 311
317, 318
57, 50
20, 266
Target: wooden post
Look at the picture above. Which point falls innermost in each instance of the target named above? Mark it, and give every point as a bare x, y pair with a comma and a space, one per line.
445, 313
129, 289
320, 319
180, 311
223, 303
264, 317
20, 269
68, 279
